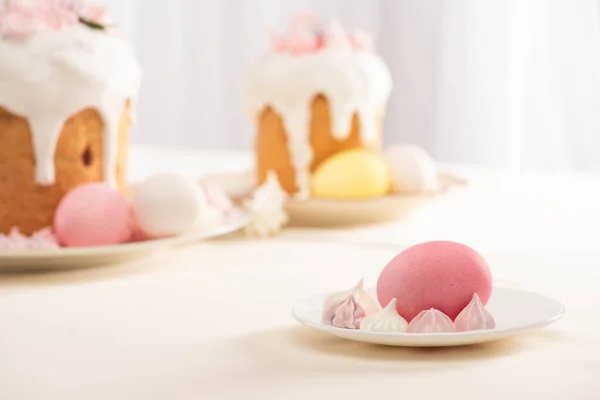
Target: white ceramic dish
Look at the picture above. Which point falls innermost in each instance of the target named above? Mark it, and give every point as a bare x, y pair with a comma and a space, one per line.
516, 311
319, 212
84, 257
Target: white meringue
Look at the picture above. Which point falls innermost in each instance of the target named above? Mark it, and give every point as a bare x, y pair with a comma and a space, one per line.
387, 320
362, 297
431, 321
15, 240
474, 317
346, 314
267, 208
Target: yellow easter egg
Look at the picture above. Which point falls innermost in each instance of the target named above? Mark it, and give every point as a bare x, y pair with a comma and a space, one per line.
352, 174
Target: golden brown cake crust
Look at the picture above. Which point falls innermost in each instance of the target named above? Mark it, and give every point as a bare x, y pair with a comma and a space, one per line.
78, 159
272, 147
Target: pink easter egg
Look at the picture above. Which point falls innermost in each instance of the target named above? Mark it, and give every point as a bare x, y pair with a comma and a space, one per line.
93, 214
442, 275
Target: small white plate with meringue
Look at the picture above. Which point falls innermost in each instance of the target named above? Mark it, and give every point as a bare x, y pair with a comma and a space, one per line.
515, 312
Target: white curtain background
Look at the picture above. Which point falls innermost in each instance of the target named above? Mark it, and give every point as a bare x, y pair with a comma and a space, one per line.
513, 83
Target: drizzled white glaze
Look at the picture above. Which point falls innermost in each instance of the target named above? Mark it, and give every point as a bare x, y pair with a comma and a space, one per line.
352, 81
54, 75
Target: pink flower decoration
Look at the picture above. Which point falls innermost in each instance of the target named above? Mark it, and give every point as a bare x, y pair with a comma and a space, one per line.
20, 19
308, 35
92, 12
23, 19
361, 41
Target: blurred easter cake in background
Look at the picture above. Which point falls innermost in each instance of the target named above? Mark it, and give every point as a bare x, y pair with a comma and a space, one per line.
318, 99
68, 85
317, 92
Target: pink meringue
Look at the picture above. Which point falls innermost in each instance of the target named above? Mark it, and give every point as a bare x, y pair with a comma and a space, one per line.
15, 240
431, 321
474, 317
361, 296
344, 314
217, 198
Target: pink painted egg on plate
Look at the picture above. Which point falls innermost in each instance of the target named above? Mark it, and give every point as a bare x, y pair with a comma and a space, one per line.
442, 275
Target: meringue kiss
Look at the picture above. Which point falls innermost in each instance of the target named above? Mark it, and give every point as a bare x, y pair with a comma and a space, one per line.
366, 301
474, 317
431, 321
344, 314
387, 320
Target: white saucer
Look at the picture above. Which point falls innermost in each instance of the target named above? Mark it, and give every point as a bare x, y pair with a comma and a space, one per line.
321, 212
315, 212
516, 311
84, 257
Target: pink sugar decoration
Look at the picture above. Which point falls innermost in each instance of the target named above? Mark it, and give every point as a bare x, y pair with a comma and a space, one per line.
361, 41
15, 240
308, 35
20, 19
93, 12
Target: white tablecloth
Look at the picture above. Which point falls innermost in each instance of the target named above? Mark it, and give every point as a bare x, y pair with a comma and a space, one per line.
212, 321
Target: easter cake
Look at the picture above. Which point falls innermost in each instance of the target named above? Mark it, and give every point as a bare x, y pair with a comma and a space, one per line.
319, 91
68, 85
318, 99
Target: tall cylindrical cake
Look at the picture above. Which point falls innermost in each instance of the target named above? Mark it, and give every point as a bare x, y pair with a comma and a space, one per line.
318, 92
67, 87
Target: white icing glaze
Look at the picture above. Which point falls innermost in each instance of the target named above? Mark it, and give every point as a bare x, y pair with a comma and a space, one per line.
474, 317
267, 208
387, 320
352, 81
53, 75
362, 297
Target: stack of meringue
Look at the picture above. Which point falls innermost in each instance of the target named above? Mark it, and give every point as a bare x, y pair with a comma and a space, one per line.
348, 308
15, 240
267, 208
356, 309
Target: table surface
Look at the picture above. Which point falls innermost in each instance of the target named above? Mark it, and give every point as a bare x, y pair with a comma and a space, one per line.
212, 320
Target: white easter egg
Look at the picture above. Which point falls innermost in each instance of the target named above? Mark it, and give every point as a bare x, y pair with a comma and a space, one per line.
412, 169
167, 204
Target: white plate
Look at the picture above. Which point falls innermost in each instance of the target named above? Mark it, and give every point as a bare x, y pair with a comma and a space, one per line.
516, 311
320, 212
84, 257
314, 212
